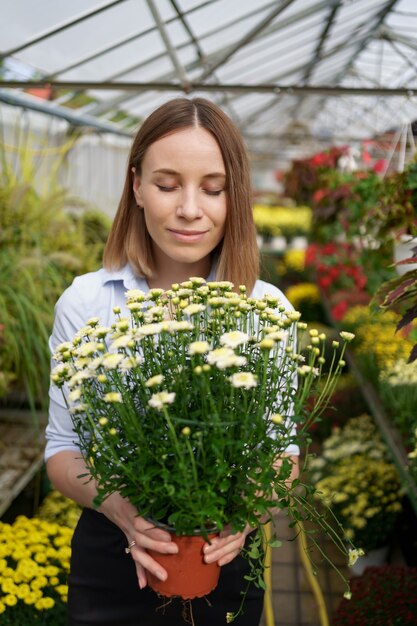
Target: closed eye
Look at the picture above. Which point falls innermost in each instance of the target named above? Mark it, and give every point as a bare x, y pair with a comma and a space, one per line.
209, 192
162, 188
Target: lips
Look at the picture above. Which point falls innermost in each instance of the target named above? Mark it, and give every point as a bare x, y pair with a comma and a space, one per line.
189, 236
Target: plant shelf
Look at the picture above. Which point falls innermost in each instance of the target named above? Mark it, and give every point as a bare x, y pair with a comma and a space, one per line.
22, 444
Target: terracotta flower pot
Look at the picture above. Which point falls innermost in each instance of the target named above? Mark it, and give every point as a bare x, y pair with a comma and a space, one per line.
188, 575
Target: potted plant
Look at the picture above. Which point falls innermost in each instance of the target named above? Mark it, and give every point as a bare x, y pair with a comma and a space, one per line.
355, 478
381, 596
185, 407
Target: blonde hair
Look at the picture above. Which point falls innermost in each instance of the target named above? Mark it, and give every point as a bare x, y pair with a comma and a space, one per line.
129, 240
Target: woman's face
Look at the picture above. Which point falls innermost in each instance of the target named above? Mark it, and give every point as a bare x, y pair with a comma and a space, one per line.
182, 191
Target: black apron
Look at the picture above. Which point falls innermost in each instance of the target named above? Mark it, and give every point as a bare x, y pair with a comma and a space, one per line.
104, 590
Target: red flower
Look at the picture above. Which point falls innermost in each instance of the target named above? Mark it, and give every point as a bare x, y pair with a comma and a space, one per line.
319, 195
339, 310
325, 282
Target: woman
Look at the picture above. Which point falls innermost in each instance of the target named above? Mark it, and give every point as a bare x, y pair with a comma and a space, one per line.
185, 211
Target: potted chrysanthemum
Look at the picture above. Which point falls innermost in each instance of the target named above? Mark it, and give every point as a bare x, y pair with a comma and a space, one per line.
187, 406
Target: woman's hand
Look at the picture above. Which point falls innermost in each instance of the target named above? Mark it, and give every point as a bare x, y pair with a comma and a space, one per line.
145, 535
64, 469
226, 546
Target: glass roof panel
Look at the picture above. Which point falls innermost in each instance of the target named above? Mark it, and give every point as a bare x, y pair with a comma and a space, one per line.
368, 43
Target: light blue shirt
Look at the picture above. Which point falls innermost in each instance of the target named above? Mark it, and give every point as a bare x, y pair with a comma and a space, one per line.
94, 295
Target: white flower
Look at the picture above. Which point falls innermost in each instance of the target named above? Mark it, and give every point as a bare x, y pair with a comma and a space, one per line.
135, 295
130, 362
74, 395
101, 331
233, 339
225, 357
174, 326
243, 379
193, 309
307, 369
354, 555
198, 347
149, 329
154, 380
347, 336
78, 377
63, 347
112, 396
121, 342
294, 316
86, 349
219, 353
159, 400
93, 321
230, 361
111, 361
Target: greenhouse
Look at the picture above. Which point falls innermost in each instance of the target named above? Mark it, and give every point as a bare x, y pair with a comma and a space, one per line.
208, 312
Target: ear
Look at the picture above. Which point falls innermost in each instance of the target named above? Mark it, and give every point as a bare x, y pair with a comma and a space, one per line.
137, 188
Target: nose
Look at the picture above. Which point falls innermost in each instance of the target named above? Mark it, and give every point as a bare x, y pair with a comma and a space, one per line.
189, 207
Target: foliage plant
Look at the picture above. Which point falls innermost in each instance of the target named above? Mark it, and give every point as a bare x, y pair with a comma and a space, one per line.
42, 247
400, 295
34, 565
355, 478
186, 405
398, 390
381, 596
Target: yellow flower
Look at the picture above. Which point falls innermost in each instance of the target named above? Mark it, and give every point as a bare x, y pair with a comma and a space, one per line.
10, 600
112, 397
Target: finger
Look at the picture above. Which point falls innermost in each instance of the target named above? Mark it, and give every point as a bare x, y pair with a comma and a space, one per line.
148, 543
228, 558
141, 574
146, 562
142, 526
229, 546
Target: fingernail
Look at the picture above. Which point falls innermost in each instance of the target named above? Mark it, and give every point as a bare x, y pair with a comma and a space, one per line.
161, 575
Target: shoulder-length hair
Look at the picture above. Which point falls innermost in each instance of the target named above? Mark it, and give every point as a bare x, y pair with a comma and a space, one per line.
129, 240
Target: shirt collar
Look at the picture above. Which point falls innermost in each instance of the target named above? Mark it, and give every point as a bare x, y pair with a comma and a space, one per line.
127, 276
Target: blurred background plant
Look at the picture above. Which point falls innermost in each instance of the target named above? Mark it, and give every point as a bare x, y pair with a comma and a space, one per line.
381, 596
355, 478
34, 565
46, 237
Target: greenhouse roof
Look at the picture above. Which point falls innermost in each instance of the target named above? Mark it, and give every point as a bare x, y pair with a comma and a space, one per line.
295, 75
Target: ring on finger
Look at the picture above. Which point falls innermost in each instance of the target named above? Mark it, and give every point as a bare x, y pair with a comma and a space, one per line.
130, 546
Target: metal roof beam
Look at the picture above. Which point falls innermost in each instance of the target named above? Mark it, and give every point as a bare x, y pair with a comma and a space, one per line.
400, 53
172, 53
326, 90
391, 35
246, 39
49, 108
322, 40
360, 45
104, 106
123, 42
54, 31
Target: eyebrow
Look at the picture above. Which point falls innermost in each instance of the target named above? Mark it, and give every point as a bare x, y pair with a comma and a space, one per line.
175, 173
